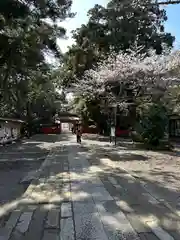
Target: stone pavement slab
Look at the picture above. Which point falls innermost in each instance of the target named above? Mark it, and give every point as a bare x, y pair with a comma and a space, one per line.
159, 232
67, 229
116, 224
53, 217
6, 231
37, 225
74, 200
89, 226
24, 221
85, 207
148, 236
100, 194
66, 210
50, 235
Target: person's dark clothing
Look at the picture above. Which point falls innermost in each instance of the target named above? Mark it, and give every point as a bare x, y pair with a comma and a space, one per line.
78, 135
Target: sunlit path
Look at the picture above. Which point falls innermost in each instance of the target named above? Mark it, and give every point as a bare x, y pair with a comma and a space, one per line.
79, 195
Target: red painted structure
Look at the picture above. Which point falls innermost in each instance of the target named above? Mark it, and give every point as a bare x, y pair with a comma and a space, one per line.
122, 132
94, 130
51, 129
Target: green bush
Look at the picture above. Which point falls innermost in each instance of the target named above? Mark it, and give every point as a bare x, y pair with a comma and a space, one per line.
152, 124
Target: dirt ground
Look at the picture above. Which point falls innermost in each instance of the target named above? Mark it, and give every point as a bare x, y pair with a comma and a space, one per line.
159, 171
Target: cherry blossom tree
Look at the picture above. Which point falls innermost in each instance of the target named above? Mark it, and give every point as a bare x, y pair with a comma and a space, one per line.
149, 78
146, 74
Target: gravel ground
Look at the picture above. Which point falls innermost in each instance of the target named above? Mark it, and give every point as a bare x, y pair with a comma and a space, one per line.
163, 168
158, 170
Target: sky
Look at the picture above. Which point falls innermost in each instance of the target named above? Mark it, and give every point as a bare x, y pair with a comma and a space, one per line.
81, 8
172, 26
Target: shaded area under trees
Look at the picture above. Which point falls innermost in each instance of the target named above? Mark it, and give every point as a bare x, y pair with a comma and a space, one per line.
28, 33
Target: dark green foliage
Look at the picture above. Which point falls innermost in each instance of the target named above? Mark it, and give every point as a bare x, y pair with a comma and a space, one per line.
152, 124
26, 37
119, 26
89, 110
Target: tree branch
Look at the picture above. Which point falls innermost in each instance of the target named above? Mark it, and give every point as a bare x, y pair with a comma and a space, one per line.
168, 2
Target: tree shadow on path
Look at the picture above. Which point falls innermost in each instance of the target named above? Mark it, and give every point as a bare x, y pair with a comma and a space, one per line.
130, 198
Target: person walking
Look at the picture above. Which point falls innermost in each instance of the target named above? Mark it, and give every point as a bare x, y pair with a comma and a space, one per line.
78, 133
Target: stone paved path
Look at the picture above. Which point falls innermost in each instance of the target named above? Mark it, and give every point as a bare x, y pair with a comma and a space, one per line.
77, 196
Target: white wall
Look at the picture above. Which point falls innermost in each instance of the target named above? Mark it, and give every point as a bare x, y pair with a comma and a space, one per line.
65, 127
8, 131
4, 130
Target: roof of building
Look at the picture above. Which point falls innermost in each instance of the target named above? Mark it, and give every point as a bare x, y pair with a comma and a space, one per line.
68, 119
67, 114
11, 120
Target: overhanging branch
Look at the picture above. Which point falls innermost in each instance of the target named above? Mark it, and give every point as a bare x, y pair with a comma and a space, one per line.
168, 2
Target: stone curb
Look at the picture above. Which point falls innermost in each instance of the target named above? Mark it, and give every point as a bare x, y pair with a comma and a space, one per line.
166, 204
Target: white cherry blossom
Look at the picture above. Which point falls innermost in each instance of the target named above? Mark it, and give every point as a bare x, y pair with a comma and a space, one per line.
145, 73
